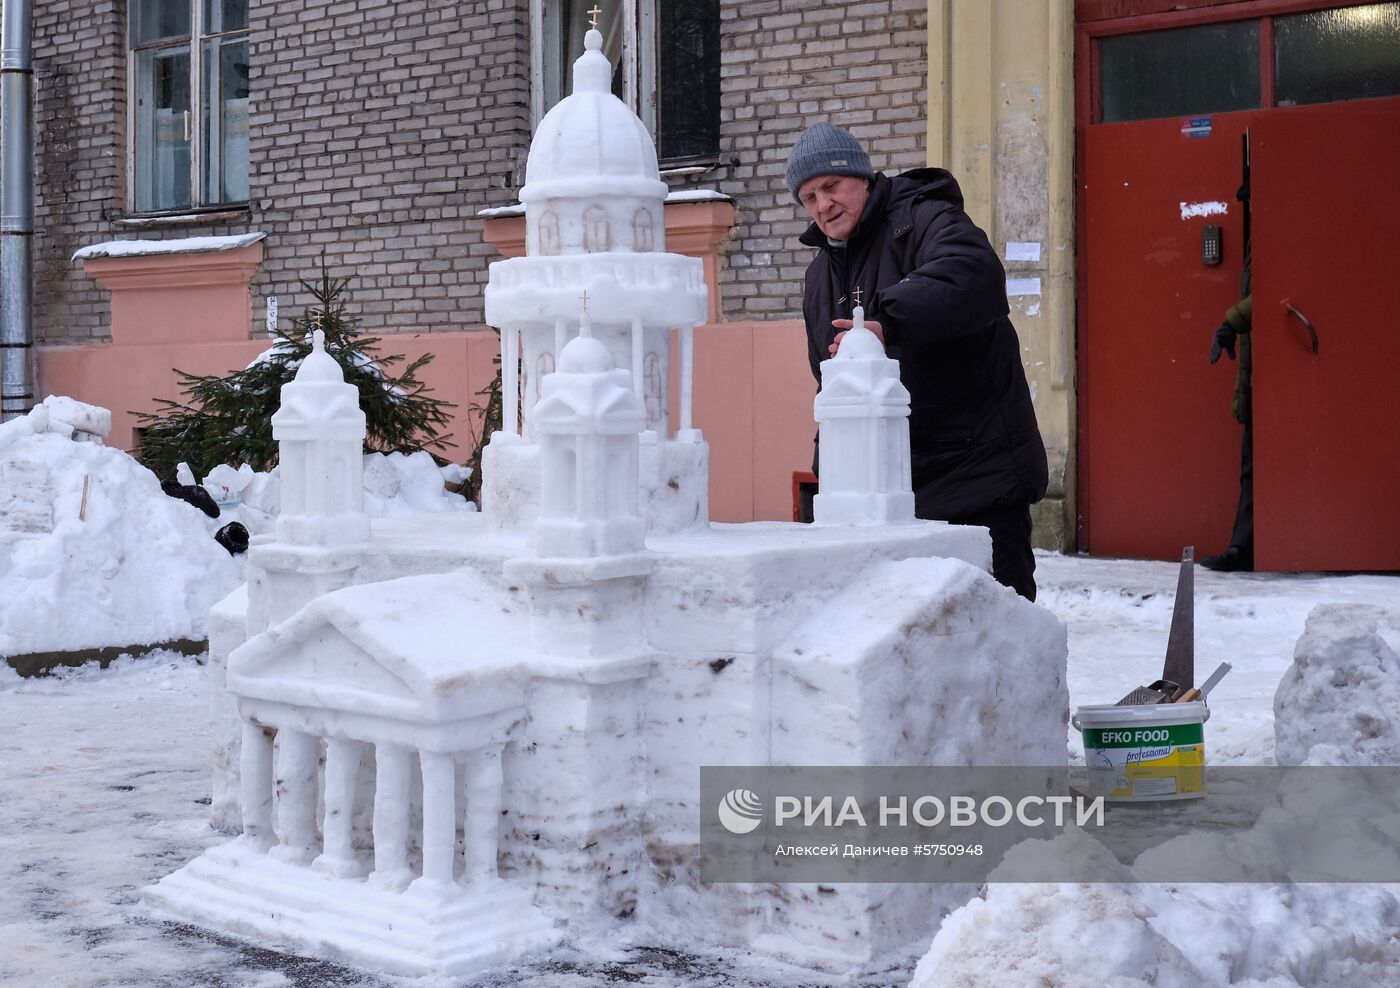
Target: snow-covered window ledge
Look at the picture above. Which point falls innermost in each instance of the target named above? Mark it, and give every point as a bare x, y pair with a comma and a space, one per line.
193, 289
698, 221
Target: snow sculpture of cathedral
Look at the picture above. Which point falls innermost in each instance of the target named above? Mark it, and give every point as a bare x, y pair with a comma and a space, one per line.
469, 737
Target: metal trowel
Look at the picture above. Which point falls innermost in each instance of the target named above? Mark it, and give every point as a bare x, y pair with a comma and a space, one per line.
1179, 669
1162, 691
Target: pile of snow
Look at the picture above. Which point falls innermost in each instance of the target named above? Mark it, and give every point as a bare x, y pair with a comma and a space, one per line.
400, 484
396, 485
134, 566
92, 552
62, 417
1339, 703
1163, 935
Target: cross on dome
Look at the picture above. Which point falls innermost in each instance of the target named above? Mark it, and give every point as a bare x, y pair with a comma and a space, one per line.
593, 23
585, 324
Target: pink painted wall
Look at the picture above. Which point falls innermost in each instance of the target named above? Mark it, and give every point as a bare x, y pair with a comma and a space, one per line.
753, 393
753, 401
128, 378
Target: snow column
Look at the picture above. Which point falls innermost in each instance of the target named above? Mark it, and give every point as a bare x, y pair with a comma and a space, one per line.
342, 770
483, 819
391, 795
439, 817
255, 774
295, 795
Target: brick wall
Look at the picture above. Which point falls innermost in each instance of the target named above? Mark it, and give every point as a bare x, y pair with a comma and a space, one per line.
787, 64
80, 123
379, 129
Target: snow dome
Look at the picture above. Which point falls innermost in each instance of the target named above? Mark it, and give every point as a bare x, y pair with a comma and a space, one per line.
591, 177
585, 355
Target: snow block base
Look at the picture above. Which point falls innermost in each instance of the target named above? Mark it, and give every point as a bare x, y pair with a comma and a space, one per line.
759, 644
442, 930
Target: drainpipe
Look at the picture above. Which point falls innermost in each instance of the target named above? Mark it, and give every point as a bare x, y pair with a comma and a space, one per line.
16, 212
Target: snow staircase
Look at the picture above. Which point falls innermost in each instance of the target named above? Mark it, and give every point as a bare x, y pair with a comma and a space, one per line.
430, 928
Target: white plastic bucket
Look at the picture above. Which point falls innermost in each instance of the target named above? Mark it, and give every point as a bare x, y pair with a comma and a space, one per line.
1146, 752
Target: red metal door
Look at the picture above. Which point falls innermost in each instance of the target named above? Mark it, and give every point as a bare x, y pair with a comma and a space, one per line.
1327, 241
1160, 453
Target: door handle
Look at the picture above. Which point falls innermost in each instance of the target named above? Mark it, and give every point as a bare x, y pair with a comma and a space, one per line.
1307, 323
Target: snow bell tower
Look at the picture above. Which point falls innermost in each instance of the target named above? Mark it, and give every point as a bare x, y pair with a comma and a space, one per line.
587, 423
586, 585
320, 433
322, 531
863, 413
594, 223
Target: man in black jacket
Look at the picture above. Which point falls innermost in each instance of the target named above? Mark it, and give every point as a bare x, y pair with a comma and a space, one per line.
935, 292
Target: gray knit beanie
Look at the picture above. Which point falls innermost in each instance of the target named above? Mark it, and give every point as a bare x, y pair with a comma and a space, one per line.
826, 150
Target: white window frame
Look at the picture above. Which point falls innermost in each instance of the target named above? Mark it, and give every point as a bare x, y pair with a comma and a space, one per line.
638, 36
195, 46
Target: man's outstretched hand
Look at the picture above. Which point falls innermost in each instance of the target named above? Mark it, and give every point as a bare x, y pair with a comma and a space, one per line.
1224, 340
844, 326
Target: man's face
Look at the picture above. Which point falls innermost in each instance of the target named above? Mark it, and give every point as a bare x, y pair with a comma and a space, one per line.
835, 202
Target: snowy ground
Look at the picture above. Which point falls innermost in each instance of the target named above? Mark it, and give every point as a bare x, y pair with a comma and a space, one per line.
104, 783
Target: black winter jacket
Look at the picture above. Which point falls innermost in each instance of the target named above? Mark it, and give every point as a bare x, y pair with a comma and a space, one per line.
929, 276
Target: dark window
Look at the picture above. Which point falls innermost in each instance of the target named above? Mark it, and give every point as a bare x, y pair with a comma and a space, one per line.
688, 57
566, 22
1213, 68
666, 70
1328, 55
159, 20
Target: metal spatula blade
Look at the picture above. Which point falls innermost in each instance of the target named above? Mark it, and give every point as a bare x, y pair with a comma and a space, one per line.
1162, 691
1179, 669
1180, 664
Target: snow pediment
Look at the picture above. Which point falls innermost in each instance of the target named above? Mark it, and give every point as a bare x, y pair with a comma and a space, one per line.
319, 406
881, 389
420, 648
597, 404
